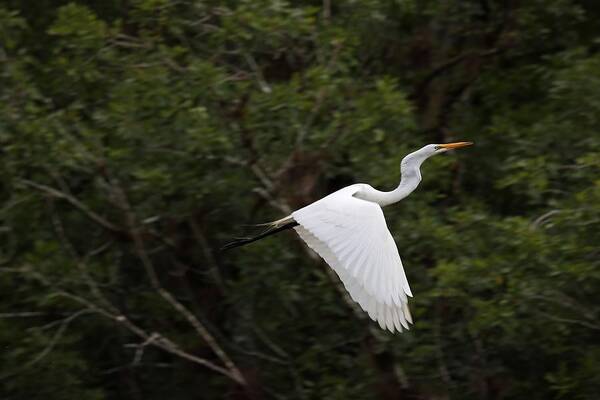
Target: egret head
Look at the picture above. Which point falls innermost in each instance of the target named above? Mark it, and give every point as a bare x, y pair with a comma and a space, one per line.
432, 149
414, 160
442, 148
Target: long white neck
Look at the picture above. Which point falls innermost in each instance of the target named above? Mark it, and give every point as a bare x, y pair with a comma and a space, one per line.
410, 179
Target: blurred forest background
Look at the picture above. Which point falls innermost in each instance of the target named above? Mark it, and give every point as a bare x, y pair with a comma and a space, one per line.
137, 136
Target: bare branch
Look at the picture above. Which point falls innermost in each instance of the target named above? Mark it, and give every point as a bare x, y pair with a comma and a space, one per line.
74, 202
562, 300
81, 265
123, 203
161, 341
543, 218
208, 255
139, 352
326, 10
57, 335
279, 205
262, 83
24, 314
555, 318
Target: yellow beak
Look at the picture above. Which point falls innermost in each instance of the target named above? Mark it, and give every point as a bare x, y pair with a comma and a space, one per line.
456, 145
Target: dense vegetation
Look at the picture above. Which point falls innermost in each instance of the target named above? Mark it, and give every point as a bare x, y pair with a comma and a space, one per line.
136, 137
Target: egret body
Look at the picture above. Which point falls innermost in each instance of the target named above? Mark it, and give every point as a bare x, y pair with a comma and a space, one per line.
348, 230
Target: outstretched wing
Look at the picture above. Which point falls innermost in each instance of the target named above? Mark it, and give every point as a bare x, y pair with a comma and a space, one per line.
351, 235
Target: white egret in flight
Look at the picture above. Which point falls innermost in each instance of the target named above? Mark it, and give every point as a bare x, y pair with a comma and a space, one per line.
348, 230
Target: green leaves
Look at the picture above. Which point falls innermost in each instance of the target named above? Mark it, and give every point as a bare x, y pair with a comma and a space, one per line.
144, 133
81, 25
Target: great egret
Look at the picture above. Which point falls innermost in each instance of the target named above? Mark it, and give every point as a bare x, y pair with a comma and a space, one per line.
348, 230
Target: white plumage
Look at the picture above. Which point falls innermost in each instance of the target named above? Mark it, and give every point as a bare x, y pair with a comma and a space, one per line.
351, 235
348, 230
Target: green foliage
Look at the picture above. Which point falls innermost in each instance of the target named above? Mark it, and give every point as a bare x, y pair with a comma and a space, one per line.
135, 137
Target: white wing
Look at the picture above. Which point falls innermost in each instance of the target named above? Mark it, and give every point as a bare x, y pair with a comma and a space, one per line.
351, 235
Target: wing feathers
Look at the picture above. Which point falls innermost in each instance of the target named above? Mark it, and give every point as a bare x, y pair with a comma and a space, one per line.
352, 237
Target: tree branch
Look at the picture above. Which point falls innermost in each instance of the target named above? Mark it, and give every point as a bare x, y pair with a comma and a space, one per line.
51, 344
123, 203
52, 192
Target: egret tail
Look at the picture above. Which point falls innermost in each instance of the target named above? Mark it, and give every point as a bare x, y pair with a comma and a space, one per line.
274, 227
